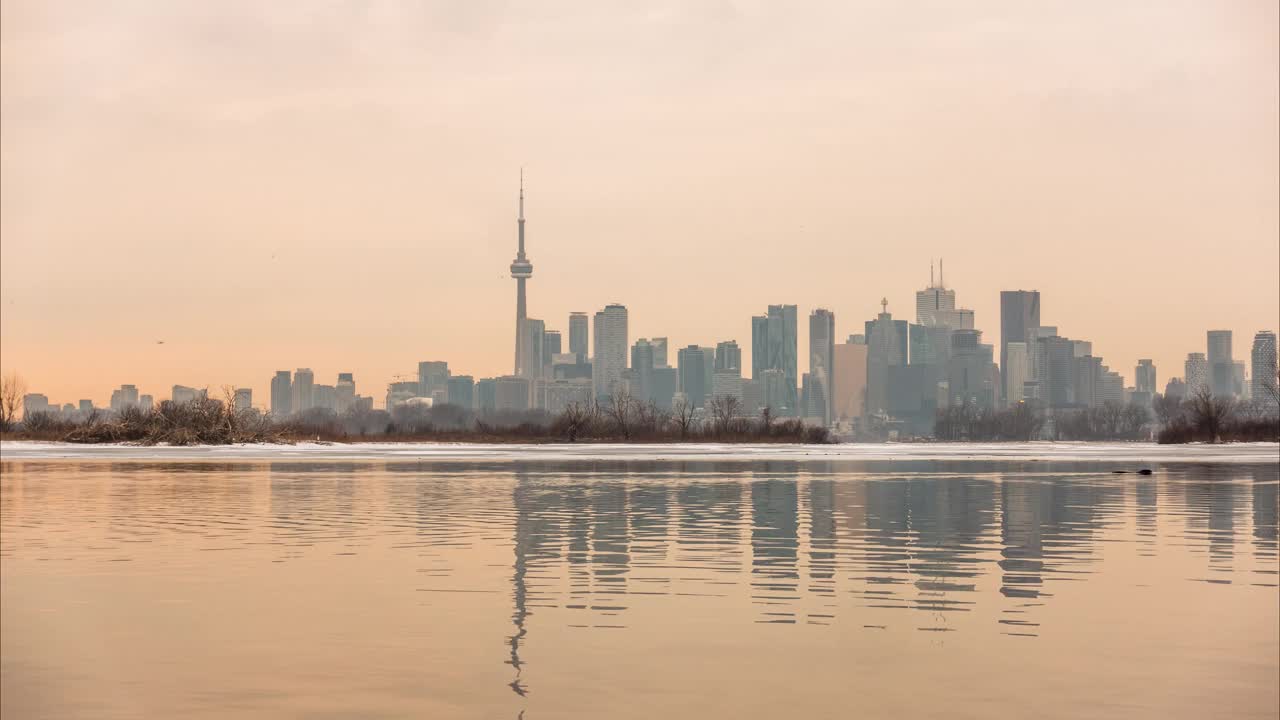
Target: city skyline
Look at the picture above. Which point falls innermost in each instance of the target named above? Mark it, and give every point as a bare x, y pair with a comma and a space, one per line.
284, 218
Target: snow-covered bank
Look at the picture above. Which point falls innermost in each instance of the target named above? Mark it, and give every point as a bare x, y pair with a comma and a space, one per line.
1036, 451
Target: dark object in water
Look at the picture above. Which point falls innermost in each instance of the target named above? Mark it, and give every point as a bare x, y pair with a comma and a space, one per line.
1119, 472
1144, 471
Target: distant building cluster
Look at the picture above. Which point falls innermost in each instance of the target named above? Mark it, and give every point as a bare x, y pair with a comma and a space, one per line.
894, 374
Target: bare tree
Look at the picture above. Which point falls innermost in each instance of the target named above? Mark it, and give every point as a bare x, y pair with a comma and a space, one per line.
650, 418
12, 388
724, 408
573, 420
622, 412
1210, 413
683, 417
1168, 409
766, 420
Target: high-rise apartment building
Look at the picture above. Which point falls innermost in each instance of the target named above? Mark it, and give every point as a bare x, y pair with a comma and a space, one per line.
1262, 371
345, 392
243, 399
659, 352
433, 375
303, 381
822, 351
462, 391
282, 394
551, 345
1196, 372
759, 345
1019, 313
511, 393
783, 351
610, 356
849, 378
578, 336
1144, 377
1016, 369
642, 370
1220, 362
691, 362
728, 356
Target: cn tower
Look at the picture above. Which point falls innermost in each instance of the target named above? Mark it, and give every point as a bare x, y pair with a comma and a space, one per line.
521, 270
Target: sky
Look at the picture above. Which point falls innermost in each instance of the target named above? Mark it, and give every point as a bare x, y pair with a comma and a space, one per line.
267, 186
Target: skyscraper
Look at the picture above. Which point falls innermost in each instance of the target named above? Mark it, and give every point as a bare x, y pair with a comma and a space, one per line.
462, 391
282, 394
759, 345
885, 349
691, 362
1019, 312
642, 370
936, 307
610, 357
1220, 361
1144, 377
728, 356
850, 380
1016, 371
1263, 369
521, 270
659, 352
345, 392
1196, 372
243, 399
303, 380
822, 350
932, 300
578, 335
773, 346
433, 376
551, 344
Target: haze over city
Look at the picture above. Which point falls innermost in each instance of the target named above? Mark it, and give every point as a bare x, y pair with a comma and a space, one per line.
284, 186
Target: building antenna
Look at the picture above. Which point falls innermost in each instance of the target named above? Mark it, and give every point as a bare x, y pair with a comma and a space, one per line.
942, 282
931, 283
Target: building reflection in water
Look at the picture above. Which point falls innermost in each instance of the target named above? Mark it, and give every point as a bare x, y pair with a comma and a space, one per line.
806, 543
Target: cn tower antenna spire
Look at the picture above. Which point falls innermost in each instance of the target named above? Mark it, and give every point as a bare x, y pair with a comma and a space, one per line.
522, 270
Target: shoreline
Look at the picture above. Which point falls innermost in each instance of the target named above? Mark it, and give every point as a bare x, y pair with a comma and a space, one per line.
1126, 453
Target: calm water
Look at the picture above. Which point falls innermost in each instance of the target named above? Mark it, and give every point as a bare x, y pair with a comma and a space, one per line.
614, 588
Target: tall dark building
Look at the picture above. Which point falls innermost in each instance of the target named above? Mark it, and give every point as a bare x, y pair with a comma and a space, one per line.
642, 370
822, 352
550, 348
1221, 362
433, 375
1019, 313
1262, 375
886, 348
282, 394
578, 335
462, 391
728, 356
759, 345
693, 374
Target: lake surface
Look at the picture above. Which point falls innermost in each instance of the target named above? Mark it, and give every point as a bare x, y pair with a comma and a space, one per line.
1020, 581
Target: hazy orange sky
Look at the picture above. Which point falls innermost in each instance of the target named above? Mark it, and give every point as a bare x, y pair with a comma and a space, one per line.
272, 185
